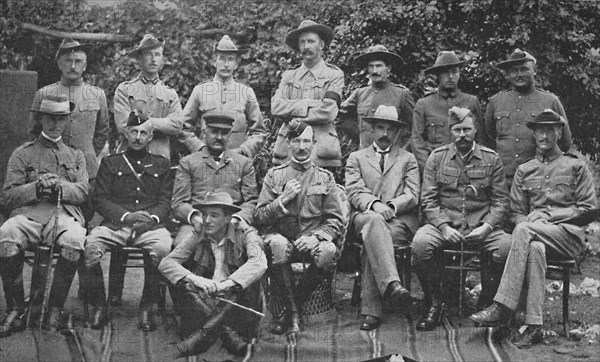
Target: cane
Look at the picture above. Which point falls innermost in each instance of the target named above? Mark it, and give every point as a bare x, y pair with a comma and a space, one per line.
462, 246
50, 272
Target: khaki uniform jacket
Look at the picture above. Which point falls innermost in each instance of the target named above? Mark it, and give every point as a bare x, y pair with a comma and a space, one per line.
430, 128
317, 210
300, 96
244, 256
397, 186
364, 101
35, 158
87, 129
559, 185
198, 174
505, 130
159, 101
216, 97
444, 181
118, 191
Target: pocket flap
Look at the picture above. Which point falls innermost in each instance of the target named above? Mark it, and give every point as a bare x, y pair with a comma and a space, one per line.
499, 115
532, 184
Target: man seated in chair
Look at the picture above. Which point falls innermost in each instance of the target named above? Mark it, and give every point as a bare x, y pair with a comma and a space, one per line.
38, 173
382, 182
133, 194
301, 212
226, 260
464, 199
547, 193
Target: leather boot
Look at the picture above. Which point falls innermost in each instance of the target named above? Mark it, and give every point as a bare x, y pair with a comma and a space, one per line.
232, 342
150, 295
201, 340
11, 270
92, 286
63, 277
118, 280
433, 306
491, 274
283, 279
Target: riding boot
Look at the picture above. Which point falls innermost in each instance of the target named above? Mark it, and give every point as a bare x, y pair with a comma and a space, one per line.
312, 278
92, 286
433, 306
201, 340
63, 276
491, 273
150, 295
283, 278
11, 270
117, 273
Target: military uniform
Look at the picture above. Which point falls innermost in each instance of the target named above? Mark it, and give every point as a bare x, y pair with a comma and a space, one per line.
87, 128
199, 173
241, 259
155, 99
215, 97
32, 220
505, 130
364, 101
430, 128
445, 178
559, 186
311, 96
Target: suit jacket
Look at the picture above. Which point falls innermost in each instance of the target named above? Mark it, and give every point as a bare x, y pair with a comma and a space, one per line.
397, 186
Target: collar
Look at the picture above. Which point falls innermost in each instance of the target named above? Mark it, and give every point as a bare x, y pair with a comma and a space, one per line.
136, 155
216, 79
379, 150
146, 80
51, 139
475, 151
382, 85
550, 156
315, 70
452, 94
68, 83
527, 92
296, 165
47, 142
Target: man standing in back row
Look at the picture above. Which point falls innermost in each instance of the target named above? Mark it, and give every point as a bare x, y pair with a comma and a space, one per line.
311, 94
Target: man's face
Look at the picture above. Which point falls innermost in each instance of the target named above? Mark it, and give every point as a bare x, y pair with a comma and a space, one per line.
151, 61
385, 133
464, 134
72, 65
215, 220
448, 79
138, 136
301, 146
521, 76
378, 71
546, 137
226, 63
216, 139
53, 125
311, 46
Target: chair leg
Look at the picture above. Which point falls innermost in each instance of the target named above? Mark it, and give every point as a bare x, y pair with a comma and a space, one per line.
565, 297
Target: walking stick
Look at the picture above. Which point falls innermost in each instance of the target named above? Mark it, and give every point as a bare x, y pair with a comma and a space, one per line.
462, 247
50, 272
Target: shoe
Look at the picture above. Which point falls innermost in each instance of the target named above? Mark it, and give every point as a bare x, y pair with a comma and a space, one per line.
432, 319
397, 294
289, 323
369, 323
54, 321
12, 323
532, 335
233, 343
99, 319
145, 321
493, 316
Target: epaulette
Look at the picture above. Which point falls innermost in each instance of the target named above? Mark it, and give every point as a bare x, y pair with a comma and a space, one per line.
157, 155
283, 165
441, 148
571, 155
295, 66
131, 80
332, 66
544, 91
429, 93
325, 171
400, 86
27, 144
114, 154
527, 160
488, 150
496, 95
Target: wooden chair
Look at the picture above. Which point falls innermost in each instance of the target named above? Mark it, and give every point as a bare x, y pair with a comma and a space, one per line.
563, 269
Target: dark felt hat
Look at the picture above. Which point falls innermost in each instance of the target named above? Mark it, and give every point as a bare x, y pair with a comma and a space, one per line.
308, 26
547, 118
518, 56
445, 59
378, 52
69, 45
220, 199
55, 104
148, 42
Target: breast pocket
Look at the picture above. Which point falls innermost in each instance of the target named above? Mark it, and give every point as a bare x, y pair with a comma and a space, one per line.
502, 122
449, 178
69, 171
533, 186
480, 178
565, 185
314, 199
436, 130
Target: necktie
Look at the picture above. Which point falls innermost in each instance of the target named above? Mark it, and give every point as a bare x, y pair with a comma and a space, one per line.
382, 159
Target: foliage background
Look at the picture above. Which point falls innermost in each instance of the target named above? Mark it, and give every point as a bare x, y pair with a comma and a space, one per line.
563, 35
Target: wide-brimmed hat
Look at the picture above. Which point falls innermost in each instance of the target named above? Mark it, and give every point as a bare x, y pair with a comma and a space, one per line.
220, 199
148, 42
518, 56
219, 120
386, 113
445, 59
378, 52
308, 26
457, 115
547, 118
55, 104
69, 45
227, 45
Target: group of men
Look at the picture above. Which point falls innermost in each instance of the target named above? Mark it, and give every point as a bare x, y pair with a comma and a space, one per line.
228, 228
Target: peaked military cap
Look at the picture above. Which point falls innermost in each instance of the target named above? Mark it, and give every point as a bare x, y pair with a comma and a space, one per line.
518, 56
55, 104
219, 121
308, 26
445, 59
378, 52
148, 42
69, 45
547, 118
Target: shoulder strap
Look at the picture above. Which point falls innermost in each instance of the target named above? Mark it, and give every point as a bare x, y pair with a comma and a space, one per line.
133, 170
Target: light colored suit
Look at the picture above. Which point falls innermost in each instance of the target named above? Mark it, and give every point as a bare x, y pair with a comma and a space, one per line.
398, 187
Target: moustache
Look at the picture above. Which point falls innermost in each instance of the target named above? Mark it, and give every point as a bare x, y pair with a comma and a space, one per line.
384, 139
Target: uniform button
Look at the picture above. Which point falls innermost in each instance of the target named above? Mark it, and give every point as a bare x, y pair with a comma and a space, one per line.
137, 201
548, 191
376, 92
516, 155
518, 110
518, 124
373, 110
547, 177
139, 162
517, 140
137, 189
119, 173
